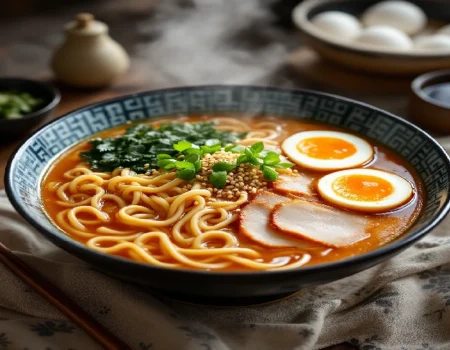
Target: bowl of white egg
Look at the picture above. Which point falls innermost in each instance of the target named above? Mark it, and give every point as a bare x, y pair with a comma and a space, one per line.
394, 37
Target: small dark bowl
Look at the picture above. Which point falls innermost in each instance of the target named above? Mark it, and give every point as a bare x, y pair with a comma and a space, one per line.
29, 163
13, 128
426, 111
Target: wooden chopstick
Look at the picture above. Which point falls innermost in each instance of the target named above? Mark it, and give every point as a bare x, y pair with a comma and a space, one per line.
57, 297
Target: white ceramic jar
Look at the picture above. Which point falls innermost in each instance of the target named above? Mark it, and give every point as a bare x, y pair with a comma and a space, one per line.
88, 57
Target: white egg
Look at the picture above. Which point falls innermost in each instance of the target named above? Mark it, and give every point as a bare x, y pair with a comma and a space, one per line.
432, 42
385, 38
337, 24
444, 30
403, 15
365, 190
327, 150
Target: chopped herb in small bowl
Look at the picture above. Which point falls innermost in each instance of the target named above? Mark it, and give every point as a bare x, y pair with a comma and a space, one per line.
23, 105
14, 104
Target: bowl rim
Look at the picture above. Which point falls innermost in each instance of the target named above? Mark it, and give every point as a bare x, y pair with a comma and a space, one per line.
300, 19
417, 87
42, 85
75, 248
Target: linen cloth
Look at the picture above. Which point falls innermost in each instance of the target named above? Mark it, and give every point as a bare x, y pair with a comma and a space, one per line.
401, 304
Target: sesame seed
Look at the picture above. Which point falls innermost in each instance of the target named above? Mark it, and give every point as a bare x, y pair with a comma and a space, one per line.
243, 179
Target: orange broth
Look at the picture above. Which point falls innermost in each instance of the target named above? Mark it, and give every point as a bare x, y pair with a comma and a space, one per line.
388, 226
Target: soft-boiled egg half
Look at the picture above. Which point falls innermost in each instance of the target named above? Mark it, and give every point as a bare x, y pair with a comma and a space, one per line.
365, 190
327, 150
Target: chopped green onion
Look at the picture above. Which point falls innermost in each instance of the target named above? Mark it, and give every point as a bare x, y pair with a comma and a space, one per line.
223, 166
257, 147
184, 165
164, 162
285, 165
211, 149
192, 158
193, 151
271, 158
218, 179
164, 156
186, 174
269, 173
198, 165
251, 158
241, 159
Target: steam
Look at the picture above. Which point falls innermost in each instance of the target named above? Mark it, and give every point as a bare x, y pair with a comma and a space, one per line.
212, 41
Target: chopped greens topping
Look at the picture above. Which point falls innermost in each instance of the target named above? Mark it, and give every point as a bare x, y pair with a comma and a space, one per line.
180, 147
255, 155
143, 146
218, 179
223, 166
15, 105
189, 164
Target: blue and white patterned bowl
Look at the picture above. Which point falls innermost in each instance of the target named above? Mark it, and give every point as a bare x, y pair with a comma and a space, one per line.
28, 164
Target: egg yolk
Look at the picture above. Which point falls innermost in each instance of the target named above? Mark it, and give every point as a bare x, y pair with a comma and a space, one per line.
327, 148
365, 188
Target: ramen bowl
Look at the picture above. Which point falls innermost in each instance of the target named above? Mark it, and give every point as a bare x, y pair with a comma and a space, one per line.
29, 163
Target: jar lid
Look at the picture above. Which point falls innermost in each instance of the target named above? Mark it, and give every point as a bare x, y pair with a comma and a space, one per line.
84, 24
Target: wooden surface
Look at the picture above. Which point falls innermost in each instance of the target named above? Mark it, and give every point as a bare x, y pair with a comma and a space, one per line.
309, 65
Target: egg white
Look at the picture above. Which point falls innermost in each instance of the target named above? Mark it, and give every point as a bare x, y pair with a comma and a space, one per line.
402, 191
364, 151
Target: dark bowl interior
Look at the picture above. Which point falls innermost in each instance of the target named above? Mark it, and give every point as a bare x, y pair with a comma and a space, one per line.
28, 165
50, 96
429, 79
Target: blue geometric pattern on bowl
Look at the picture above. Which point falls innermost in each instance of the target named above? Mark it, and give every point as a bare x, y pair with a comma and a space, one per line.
426, 156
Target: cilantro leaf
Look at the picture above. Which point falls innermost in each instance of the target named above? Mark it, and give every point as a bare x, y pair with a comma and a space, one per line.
141, 144
180, 146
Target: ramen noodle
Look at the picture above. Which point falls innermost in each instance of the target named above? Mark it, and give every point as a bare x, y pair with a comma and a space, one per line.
342, 196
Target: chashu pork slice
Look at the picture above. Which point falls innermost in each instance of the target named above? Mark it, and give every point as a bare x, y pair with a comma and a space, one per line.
294, 184
254, 223
270, 199
319, 223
